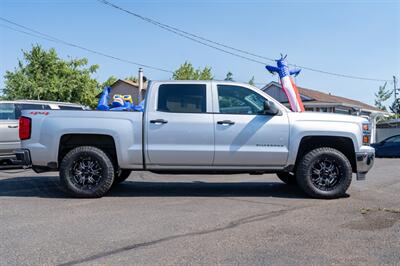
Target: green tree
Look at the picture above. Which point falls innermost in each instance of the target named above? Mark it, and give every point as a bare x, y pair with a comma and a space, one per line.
187, 72
110, 81
395, 107
251, 81
229, 76
381, 96
42, 75
132, 78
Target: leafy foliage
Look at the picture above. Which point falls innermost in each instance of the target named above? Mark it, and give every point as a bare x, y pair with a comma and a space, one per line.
187, 72
42, 75
229, 76
110, 81
132, 78
395, 107
251, 81
381, 96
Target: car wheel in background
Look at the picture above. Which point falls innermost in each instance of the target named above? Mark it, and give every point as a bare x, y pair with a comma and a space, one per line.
287, 178
121, 176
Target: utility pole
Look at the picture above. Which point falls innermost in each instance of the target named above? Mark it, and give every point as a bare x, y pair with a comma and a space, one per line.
395, 88
140, 82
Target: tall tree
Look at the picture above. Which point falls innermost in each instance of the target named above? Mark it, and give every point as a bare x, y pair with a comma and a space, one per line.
187, 72
110, 81
381, 96
251, 81
42, 75
229, 76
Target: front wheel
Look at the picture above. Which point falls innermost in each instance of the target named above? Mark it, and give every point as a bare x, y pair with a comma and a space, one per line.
324, 173
86, 172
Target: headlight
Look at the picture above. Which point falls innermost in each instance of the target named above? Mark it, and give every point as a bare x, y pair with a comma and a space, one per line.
366, 128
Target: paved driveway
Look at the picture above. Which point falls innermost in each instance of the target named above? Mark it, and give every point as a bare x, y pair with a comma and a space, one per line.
177, 219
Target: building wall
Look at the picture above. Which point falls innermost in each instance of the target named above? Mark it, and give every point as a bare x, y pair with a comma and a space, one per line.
383, 133
123, 88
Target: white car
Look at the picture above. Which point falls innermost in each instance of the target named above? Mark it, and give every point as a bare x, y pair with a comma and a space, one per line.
10, 111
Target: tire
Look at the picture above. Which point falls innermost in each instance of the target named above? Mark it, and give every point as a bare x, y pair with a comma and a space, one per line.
121, 176
287, 178
86, 172
324, 173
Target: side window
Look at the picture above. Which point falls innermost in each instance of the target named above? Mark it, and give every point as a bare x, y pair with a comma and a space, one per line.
239, 100
182, 98
26, 106
7, 111
395, 139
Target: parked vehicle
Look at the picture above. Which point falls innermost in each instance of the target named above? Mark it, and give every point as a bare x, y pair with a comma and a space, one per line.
10, 111
198, 126
389, 147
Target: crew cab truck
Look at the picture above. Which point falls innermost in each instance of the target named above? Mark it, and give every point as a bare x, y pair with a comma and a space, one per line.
198, 126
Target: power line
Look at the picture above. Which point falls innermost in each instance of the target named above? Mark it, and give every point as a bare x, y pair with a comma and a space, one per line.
41, 35
48, 37
197, 38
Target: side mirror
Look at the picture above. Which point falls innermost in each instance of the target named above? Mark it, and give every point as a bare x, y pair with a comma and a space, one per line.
270, 108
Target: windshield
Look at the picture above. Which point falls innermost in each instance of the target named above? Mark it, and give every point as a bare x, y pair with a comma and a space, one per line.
7, 111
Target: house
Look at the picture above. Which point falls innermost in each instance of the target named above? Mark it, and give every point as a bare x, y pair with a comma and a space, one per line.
127, 87
387, 128
316, 101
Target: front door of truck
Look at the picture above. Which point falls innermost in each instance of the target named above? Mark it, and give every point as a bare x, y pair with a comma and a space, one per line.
180, 128
243, 135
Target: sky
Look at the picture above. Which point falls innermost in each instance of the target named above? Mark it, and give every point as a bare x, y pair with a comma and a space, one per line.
360, 38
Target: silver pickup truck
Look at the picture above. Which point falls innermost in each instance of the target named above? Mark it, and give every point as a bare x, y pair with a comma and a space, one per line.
198, 126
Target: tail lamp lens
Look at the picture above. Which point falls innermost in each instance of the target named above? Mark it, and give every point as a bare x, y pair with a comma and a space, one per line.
24, 128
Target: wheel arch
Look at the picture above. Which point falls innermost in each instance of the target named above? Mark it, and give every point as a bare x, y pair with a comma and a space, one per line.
343, 144
102, 141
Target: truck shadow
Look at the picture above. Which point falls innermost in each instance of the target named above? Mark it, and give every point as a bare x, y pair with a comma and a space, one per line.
49, 187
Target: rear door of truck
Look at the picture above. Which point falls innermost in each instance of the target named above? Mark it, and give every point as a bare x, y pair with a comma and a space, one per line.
179, 125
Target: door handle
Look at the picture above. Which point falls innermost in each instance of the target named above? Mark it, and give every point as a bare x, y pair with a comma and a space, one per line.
225, 122
159, 121
12, 126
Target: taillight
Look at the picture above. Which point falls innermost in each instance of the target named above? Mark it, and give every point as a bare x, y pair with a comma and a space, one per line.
24, 128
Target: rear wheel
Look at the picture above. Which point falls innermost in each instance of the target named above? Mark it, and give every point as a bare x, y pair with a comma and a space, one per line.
121, 176
324, 173
287, 178
86, 172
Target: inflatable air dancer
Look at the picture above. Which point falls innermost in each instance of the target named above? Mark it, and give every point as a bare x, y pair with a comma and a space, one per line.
287, 83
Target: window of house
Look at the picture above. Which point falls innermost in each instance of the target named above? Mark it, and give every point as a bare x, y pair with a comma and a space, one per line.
239, 100
182, 98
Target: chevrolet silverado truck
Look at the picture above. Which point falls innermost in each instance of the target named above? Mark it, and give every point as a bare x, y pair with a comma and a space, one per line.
212, 127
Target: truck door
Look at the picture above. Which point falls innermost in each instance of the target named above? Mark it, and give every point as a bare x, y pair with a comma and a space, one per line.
179, 126
243, 135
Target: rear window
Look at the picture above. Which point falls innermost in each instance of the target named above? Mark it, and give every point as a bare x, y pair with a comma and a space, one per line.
182, 98
66, 107
7, 111
28, 106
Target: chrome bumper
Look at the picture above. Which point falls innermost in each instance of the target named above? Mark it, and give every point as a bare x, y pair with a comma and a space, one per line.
365, 161
23, 158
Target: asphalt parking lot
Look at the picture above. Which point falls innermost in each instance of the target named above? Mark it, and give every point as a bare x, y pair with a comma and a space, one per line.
200, 220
